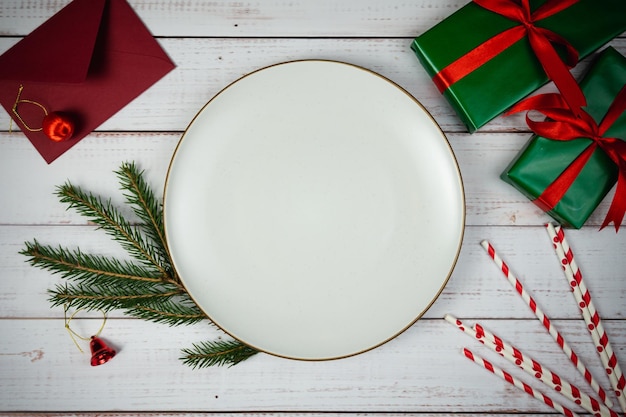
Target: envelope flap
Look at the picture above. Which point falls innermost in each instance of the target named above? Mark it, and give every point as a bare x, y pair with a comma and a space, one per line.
60, 50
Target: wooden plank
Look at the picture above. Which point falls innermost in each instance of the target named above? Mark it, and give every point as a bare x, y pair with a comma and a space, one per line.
420, 371
481, 157
252, 414
476, 288
298, 18
90, 165
206, 66
255, 414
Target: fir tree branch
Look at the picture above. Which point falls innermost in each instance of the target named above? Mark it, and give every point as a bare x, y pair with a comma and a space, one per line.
144, 204
216, 353
152, 303
170, 312
150, 289
94, 298
78, 265
111, 221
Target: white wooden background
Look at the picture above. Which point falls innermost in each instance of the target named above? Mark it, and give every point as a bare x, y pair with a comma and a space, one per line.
420, 372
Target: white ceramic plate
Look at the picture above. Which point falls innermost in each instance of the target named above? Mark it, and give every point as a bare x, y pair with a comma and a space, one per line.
314, 210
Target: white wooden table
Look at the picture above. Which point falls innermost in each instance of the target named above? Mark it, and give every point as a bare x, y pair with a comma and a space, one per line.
420, 372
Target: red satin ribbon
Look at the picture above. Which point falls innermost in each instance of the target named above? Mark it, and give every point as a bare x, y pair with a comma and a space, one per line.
562, 124
541, 41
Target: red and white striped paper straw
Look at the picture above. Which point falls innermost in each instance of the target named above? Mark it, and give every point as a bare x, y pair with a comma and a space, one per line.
519, 384
546, 376
589, 312
532, 367
545, 321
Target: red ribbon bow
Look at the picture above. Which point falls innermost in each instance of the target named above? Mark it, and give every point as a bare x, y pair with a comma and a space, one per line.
562, 124
541, 41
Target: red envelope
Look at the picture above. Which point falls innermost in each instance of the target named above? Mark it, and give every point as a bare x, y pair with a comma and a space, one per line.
87, 61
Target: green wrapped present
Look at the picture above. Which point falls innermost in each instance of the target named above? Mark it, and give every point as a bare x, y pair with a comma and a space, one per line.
453, 50
556, 174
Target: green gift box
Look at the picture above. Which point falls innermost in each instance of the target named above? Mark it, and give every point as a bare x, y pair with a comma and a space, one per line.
543, 160
515, 72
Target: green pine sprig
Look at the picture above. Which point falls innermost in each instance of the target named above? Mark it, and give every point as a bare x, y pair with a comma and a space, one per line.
148, 209
146, 287
216, 353
108, 218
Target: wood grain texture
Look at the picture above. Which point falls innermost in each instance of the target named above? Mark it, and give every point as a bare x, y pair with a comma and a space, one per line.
481, 158
253, 414
206, 66
421, 372
250, 414
475, 289
43, 371
270, 18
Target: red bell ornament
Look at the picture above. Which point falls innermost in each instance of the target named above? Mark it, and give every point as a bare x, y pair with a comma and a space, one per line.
100, 352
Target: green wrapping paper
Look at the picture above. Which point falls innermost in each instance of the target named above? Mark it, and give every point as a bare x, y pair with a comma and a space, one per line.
515, 73
543, 160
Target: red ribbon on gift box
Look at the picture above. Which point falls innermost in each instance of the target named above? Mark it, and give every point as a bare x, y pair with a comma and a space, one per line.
563, 124
541, 41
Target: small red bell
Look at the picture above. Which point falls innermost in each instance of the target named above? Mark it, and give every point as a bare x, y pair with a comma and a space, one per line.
100, 352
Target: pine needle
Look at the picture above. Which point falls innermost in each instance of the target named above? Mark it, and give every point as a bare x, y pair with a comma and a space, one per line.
216, 353
98, 298
74, 264
146, 207
174, 311
109, 219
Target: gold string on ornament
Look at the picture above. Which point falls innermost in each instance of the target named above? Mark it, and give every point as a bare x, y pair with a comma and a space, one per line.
56, 126
19, 100
100, 352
